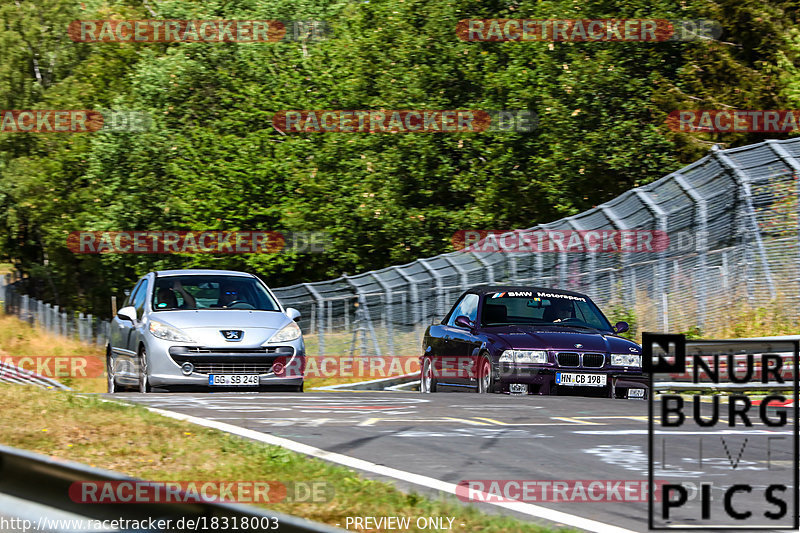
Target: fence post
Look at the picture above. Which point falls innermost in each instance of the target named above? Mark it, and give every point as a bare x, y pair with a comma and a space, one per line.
486, 266
439, 288
792, 163
744, 186
90, 338
660, 272
320, 316
592, 262
701, 209
387, 314
628, 276
414, 296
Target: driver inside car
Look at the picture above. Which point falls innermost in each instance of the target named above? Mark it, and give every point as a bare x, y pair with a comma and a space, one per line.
167, 297
559, 311
227, 295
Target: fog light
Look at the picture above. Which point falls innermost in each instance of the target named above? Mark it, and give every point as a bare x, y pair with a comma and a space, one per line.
187, 368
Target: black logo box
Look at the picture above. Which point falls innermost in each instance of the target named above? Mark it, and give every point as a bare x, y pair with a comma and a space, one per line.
675, 345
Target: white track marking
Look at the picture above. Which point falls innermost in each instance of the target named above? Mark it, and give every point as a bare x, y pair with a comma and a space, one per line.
425, 481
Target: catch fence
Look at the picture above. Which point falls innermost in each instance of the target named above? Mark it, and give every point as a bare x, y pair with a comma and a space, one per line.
732, 219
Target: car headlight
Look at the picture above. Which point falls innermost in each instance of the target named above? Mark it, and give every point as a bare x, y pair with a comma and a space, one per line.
626, 359
168, 333
523, 356
289, 332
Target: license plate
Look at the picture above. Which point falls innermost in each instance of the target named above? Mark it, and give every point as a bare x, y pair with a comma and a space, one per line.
636, 393
581, 380
233, 380
517, 388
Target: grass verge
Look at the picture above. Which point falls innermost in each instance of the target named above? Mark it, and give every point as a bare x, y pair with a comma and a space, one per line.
18, 339
134, 441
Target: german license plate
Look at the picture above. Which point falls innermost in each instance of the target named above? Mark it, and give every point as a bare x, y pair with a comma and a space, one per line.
233, 380
518, 388
581, 380
636, 393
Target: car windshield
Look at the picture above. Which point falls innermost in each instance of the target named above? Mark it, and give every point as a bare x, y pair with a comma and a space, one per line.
211, 292
542, 308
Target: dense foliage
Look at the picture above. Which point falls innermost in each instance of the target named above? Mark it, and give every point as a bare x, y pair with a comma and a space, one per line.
213, 160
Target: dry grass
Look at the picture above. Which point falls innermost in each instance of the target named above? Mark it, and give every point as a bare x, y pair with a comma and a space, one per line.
737, 317
134, 441
19, 339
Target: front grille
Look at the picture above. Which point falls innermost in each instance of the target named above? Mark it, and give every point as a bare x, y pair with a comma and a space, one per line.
593, 360
176, 350
567, 359
232, 368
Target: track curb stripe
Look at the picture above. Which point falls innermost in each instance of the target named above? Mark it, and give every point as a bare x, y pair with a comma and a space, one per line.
417, 479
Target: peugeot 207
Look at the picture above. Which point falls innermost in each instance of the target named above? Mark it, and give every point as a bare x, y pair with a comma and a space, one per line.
204, 328
530, 340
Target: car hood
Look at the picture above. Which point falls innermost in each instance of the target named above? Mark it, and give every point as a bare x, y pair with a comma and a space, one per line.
204, 326
562, 338
229, 318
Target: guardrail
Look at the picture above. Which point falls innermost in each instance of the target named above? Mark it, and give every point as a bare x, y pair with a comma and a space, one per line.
19, 376
35, 488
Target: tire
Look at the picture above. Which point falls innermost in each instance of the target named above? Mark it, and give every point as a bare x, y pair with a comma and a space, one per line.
486, 382
144, 382
427, 383
111, 377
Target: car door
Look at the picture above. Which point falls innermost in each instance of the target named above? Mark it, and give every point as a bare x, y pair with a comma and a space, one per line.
120, 339
439, 346
462, 340
135, 335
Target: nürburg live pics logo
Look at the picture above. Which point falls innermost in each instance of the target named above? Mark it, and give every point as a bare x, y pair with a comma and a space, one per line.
724, 434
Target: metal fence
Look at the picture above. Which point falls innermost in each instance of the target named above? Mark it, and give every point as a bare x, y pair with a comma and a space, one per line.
85, 328
737, 208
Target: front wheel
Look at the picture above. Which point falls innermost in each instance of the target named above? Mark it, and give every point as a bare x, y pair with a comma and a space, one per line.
144, 381
486, 382
427, 383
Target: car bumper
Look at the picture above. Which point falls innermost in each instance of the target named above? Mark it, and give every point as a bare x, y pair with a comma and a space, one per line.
543, 379
165, 360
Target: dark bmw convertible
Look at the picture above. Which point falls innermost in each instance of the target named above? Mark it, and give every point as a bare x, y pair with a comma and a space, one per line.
529, 340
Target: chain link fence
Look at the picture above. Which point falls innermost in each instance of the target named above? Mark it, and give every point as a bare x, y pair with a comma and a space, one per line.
732, 219
85, 328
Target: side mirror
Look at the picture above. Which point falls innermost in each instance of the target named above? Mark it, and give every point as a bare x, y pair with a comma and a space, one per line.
464, 322
621, 327
292, 313
127, 313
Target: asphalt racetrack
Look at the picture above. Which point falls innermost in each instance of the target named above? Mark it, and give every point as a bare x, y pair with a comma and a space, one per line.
461, 436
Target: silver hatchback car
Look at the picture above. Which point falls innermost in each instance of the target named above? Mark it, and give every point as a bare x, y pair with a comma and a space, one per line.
217, 329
